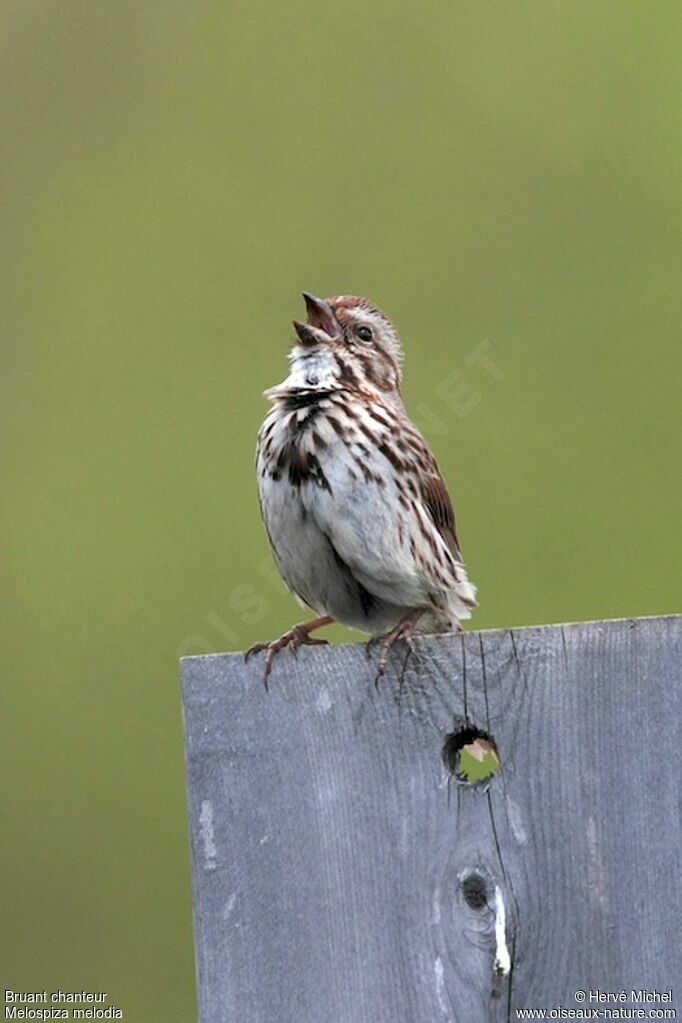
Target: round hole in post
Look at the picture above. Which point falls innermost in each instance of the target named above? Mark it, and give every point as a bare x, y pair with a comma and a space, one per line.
471, 755
474, 890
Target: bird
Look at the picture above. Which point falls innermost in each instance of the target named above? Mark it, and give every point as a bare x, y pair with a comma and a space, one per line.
357, 514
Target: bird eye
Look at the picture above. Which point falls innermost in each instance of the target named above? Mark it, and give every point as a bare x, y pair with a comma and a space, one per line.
364, 333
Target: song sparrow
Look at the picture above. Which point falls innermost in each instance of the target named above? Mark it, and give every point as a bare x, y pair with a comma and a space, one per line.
358, 517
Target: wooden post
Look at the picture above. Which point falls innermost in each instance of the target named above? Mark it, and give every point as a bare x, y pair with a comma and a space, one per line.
342, 873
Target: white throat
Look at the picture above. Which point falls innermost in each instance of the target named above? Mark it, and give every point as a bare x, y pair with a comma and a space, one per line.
311, 370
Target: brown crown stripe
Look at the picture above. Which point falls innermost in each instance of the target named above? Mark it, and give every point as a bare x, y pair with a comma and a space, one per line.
355, 301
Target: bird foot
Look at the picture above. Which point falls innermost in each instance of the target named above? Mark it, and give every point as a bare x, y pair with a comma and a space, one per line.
403, 630
294, 638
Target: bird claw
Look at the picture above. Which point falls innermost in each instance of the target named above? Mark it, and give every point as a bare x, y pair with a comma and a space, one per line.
294, 638
403, 630
297, 642
369, 644
255, 649
272, 648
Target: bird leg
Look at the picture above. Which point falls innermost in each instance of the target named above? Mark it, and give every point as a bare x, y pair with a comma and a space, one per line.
403, 630
296, 637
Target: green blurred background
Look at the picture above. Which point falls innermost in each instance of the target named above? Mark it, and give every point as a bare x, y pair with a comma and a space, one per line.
504, 179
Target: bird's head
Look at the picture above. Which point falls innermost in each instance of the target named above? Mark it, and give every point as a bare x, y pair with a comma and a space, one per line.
359, 337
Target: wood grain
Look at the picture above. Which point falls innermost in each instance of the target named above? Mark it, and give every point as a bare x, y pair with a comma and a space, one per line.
341, 873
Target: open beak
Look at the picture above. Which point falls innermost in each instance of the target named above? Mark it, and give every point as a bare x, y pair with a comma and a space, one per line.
321, 316
306, 335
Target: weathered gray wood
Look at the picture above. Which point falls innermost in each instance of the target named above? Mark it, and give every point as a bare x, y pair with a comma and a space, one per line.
330, 843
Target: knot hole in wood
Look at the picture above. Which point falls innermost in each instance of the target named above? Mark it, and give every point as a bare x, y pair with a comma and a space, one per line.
470, 754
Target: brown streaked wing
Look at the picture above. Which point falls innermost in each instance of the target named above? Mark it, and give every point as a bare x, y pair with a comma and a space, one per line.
437, 501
